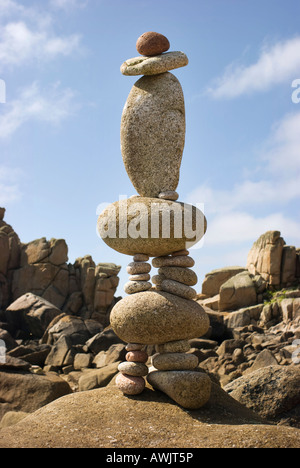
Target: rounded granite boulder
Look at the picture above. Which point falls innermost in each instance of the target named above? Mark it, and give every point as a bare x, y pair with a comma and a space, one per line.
153, 134
157, 317
142, 225
189, 389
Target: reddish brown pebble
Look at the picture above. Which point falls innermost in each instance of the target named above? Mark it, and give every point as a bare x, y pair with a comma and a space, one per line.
129, 384
180, 252
137, 356
152, 43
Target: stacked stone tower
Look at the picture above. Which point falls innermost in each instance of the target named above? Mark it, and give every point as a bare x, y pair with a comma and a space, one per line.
155, 224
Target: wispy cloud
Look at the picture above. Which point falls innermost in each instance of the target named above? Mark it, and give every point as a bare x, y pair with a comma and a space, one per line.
9, 185
28, 34
236, 214
51, 105
68, 5
276, 64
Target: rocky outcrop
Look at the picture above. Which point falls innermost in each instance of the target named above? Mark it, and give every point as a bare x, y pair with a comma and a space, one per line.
10, 250
41, 267
276, 262
271, 265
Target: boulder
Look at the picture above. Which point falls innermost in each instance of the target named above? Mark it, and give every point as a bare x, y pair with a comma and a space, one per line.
77, 330
239, 291
264, 359
214, 280
99, 377
23, 391
30, 315
103, 341
272, 392
103, 418
9, 341
11, 418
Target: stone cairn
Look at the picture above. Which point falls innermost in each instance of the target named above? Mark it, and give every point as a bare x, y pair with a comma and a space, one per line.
155, 224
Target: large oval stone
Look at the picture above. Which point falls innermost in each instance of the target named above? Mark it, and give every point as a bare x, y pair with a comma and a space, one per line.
157, 317
151, 226
153, 134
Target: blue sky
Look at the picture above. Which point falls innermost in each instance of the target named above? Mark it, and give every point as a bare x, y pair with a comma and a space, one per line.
60, 125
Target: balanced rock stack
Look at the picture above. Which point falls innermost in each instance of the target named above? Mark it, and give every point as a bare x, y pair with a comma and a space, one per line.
155, 224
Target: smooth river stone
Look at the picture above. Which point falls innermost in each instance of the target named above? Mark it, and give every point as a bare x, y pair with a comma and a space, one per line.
152, 43
180, 346
180, 261
140, 277
153, 134
153, 227
189, 389
183, 275
180, 289
154, 65
135, 268
133, 287
175, 361
130, 384
157, 317
137, 369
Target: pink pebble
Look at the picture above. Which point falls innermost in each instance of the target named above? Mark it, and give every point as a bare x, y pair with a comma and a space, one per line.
137, 356
130, 385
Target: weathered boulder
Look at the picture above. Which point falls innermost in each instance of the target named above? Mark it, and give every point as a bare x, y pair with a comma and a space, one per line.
103, 341
272, 392
99, 377
214, 280
23, 391
239, 291
30, 315
75, 328
11, 418
264, 359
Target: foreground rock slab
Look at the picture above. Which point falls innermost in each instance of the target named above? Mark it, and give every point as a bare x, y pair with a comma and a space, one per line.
95, 419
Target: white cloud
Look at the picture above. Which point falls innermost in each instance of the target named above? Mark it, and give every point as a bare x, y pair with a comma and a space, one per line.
51, 105
249, 208
27, 34
282, 151
9, 185
68, 5
239, 227
276, 64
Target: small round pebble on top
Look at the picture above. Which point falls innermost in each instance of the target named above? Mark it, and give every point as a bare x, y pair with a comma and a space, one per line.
152, 43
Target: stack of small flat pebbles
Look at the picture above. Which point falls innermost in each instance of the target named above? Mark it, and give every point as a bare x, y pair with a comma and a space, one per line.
130, 380
162, 312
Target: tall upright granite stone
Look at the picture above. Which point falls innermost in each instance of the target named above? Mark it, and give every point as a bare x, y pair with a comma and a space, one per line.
155, 224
